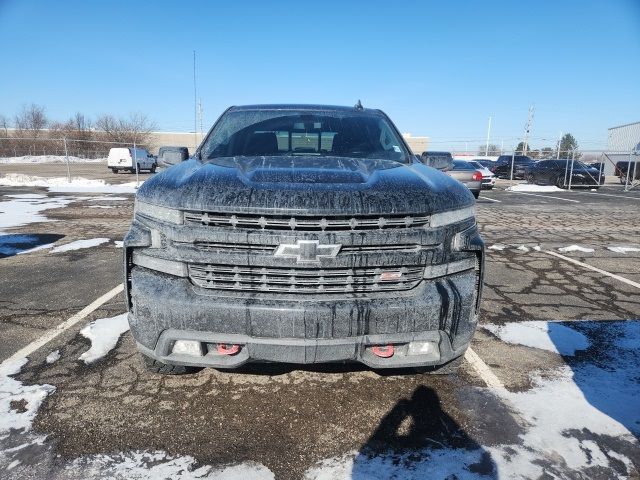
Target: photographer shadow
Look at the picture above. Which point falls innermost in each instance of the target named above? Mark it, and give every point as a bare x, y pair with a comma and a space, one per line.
416, 438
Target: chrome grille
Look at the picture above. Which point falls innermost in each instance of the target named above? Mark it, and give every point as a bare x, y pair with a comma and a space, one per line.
304, 223
270, 249
303, 280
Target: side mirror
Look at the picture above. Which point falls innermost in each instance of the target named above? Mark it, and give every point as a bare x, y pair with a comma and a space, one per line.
439, 162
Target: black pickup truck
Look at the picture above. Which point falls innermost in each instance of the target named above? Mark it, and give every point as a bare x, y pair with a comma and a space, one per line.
303, 234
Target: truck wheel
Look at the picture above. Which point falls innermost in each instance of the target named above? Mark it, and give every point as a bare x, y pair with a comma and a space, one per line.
531, 179
559, 181
154, 366
114, 170
153, 168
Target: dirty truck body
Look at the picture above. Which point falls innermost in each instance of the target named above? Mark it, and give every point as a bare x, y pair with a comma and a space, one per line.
303, 234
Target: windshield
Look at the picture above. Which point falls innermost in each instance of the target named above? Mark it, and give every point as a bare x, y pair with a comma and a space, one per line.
304, 132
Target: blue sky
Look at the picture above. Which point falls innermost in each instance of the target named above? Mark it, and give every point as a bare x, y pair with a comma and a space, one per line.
438, 68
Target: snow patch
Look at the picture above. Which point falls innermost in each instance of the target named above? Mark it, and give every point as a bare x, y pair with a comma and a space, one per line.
575, 248
160, 465
527, 187
446, 463
106, 198
50, 159
25, 209
61, 184
523, 248
623, 249
497, 246
119, 243
537, 248
550, 336
101, 206
19, 403
53, 356
104, 334
80, 244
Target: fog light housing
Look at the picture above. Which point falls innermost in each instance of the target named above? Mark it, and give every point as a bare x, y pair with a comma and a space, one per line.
188, 347
423, 348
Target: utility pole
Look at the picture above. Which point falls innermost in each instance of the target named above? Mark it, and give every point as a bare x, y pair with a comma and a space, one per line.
486, 148
559, 143
195, 104
527, 129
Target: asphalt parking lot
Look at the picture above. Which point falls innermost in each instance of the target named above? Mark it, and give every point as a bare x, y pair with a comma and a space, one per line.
550, 389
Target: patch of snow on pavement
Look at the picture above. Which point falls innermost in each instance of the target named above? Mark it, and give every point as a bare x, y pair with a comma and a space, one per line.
104, 334
101, 206
160, 465
19, 403
119, 243
537, 248
550, 336
575, 248
527, 187
53, 356
60, 184
25, 209
106, 198
50, 159
80, 244
446, 463
523, 248
497, 246
623, 249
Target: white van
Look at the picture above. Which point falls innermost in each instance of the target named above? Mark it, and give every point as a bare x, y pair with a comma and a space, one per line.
123, 159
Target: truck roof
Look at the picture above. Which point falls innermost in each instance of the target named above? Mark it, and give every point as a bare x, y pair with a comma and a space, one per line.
294, 106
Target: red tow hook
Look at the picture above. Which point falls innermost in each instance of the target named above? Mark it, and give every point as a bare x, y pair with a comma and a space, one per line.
226, 349
382, 351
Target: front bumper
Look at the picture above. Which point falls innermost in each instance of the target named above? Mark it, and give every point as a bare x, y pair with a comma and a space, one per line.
290, 329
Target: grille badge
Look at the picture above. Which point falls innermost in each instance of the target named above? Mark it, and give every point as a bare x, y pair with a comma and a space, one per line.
307, 251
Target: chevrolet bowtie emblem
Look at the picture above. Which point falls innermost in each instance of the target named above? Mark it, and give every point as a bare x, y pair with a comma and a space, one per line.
307, 251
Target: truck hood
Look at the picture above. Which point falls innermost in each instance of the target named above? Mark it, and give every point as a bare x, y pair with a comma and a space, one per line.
305, 185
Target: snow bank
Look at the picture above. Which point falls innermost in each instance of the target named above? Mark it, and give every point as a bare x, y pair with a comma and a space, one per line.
104, 334
80, 244
527, 187
61, 185
550, 336
575, 248
623, 249
50, 159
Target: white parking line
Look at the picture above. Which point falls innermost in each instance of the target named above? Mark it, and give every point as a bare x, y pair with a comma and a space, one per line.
489, 198
595, 269
483, 370
547, 196
54, 332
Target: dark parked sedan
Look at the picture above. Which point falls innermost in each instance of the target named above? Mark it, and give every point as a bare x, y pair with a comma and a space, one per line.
559, 172
503, 169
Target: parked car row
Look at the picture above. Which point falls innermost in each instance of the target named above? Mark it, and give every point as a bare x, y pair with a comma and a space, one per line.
472, 174
131, 159
564, 172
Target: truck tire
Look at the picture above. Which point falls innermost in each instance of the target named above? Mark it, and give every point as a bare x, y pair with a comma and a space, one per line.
154, 366
114, 170
153, 168
559, 181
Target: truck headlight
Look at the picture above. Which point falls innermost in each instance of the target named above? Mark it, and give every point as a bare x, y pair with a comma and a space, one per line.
453, 216
164, 214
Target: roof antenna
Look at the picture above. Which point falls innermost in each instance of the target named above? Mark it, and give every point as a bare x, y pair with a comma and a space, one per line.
358, 106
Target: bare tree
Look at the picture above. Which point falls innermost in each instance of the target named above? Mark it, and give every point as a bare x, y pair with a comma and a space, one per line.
135, 129
493, 150
31, 121
4, 126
